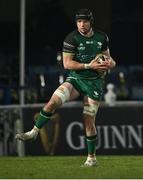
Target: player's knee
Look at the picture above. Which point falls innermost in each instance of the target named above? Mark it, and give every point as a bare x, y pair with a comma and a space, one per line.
63, 93
90, 110
50, 106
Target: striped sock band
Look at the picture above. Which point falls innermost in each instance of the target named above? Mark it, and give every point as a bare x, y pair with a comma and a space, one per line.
42, 119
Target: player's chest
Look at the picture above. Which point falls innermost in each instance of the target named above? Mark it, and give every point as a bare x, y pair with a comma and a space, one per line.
89, 45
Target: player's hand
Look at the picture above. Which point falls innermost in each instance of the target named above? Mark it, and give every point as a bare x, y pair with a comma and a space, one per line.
101, 63
109, 61
99, 66
106, 62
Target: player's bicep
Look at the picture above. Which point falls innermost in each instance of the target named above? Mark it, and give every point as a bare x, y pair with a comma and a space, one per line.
67, 58
69, 44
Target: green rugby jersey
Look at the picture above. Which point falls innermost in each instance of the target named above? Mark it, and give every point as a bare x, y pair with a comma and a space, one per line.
85, 49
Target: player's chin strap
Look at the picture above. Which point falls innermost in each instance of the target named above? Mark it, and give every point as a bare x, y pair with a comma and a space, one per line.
63, 93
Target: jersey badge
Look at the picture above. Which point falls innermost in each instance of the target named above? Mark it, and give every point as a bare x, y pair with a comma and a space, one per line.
99, 44
89, 42
96, 93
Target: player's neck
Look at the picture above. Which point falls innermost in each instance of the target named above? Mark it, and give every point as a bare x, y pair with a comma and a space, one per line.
88, 34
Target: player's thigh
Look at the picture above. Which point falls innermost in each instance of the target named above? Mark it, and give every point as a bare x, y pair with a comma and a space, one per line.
68, 91
60, 95
88, 100
72, 91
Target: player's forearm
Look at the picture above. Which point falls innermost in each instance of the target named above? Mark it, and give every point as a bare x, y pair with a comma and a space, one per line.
73, 65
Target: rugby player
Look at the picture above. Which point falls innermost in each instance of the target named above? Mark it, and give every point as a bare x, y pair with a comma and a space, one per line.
86, 77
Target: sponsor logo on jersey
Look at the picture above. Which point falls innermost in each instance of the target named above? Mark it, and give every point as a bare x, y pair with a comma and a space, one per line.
89, 42
99, 44
81, 47
96, 93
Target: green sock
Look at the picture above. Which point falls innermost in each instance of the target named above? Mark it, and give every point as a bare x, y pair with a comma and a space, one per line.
91, 141
42, 119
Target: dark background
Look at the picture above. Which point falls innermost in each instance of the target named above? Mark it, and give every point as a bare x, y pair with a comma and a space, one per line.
48, 21
47, 24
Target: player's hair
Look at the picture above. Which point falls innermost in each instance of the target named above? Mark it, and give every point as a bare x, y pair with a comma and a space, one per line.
84, 14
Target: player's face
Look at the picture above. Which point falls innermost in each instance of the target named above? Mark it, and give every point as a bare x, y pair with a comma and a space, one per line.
83, 26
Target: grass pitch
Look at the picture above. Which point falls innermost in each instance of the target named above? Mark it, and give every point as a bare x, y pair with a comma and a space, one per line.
69, 167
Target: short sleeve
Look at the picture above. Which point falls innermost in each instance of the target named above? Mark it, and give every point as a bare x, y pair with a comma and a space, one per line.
69, 44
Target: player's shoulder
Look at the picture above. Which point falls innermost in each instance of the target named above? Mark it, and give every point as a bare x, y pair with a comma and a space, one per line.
71, 38
100, 33
70, 41
71, 35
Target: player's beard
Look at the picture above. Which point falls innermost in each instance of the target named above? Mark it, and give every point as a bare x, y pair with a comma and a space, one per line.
87, 32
